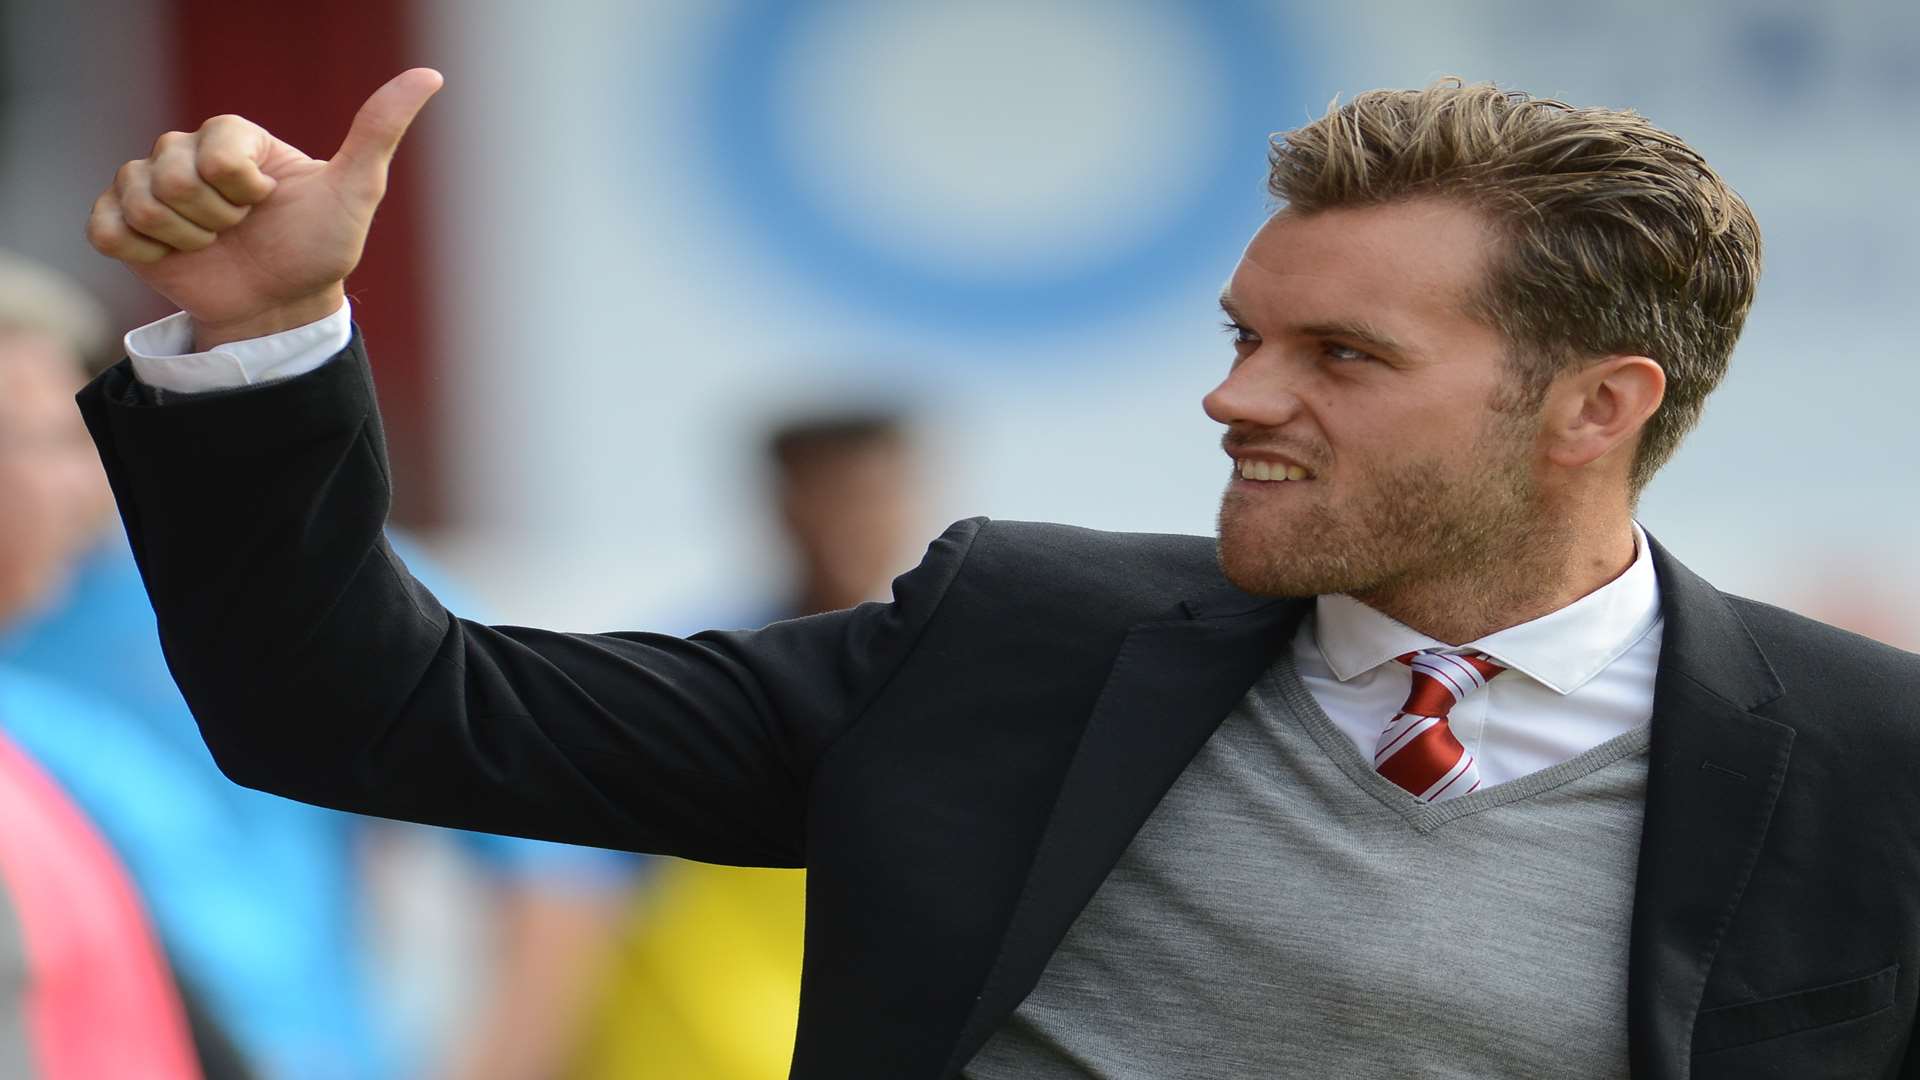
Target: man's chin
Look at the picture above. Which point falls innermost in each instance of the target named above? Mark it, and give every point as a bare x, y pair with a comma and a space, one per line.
1299, 557
1261, 570
1263, 582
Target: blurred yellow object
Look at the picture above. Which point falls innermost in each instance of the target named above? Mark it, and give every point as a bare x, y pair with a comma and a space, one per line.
707, 984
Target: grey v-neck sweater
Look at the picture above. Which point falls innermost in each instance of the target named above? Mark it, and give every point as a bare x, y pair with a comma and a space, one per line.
1288, 912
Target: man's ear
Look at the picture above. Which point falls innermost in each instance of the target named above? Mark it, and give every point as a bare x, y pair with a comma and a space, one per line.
1601, 407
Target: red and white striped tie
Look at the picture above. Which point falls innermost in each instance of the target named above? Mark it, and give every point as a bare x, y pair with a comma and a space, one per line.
1418, 750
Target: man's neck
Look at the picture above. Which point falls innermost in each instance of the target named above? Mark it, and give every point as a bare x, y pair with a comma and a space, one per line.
1533, 579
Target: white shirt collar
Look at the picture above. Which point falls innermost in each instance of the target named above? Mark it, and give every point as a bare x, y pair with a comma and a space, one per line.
1562, 649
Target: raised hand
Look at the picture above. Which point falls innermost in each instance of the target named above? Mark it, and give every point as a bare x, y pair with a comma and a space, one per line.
245, 233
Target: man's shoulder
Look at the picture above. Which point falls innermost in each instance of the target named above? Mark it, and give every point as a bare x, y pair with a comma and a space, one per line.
1804, 657
1074, 544
1172, 564
1837, 682
1040, 566
1807, 642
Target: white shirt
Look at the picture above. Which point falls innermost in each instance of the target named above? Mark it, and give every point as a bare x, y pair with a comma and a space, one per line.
162, 356
1577, 677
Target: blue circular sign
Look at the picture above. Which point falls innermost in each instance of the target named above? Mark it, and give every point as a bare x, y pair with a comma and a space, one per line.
1222, 200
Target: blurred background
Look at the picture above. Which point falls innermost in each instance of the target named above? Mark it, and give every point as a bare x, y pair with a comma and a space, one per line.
630, 240
628, 233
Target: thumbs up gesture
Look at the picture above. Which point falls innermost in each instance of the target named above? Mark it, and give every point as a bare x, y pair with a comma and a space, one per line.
245, 233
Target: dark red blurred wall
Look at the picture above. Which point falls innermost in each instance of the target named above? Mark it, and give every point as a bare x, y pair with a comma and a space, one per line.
301, 70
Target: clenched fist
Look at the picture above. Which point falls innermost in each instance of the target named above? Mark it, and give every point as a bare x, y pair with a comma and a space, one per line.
245, 233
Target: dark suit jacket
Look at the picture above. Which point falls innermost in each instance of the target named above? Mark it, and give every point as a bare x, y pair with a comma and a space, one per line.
960, 768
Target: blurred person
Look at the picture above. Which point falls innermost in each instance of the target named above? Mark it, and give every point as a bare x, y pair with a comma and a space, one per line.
1431, 762
85, 990
554, 917
848, 486
57, 498
707, 983
264, 903
62, 808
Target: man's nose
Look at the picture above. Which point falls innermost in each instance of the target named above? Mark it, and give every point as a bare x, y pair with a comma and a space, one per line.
1258, 390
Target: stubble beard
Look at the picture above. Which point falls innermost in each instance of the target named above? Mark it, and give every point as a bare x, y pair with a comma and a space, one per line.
1398, 537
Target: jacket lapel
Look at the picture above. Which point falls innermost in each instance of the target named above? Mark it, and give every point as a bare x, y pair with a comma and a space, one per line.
1715, 769
1170, 686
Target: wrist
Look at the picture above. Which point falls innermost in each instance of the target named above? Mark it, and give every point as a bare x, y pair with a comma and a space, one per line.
274, 320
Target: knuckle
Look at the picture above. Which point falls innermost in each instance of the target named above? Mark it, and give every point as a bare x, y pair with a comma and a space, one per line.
222, 165
109, 235
223, 120
144, 213
167, 141
217, 215
128, 175
173, 185
100, 234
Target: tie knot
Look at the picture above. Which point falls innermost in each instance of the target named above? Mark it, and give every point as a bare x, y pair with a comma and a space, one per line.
1441, 679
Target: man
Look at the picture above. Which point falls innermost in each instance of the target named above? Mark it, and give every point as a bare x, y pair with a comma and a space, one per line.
1454, 772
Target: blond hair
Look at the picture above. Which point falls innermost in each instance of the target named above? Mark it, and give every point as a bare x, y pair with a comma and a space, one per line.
1619, 238
36, 299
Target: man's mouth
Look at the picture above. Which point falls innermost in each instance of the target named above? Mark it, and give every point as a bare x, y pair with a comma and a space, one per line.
1271, 472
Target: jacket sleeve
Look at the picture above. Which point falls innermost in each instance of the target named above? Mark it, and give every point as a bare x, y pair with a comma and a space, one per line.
319, 669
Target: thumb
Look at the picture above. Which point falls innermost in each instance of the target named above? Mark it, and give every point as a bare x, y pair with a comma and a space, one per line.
368, 148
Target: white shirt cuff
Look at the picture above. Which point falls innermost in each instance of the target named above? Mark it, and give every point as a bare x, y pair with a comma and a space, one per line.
159, 351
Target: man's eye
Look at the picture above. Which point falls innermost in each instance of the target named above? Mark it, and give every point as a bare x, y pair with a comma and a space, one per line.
1336, 351
1241, 335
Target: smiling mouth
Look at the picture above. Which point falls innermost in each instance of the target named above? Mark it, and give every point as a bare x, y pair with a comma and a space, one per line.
1270, 472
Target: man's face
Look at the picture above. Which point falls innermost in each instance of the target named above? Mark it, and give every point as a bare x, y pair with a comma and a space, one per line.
1358, 368
49, 476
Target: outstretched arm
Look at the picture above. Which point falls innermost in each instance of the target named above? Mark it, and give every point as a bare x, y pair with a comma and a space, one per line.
317, 667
